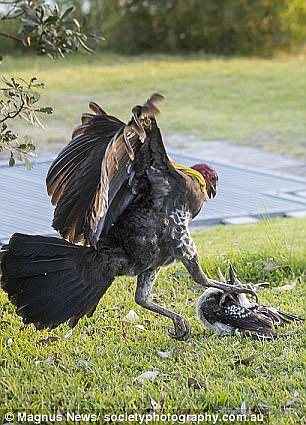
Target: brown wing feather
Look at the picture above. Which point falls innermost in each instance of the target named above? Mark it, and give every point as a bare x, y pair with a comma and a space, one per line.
73, 177
118, 157
94, 168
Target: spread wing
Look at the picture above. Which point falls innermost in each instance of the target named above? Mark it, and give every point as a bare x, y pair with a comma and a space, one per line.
98, 174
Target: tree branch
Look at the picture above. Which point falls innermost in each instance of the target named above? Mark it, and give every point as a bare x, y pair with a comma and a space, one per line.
14, 114
12, 37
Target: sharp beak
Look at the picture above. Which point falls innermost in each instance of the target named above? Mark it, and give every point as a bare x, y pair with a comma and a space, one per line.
212, 192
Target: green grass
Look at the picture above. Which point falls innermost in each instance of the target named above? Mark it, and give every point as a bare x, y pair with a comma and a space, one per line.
119, 352
258, 102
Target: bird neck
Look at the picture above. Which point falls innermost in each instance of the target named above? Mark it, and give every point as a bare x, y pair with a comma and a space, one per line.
191, 173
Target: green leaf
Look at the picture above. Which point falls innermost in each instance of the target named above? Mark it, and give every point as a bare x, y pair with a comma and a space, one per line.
12, 160
45, 110
67, 12
76, 23
7, 82
96, 35
56, 8
51, 19
31, 147
28, 163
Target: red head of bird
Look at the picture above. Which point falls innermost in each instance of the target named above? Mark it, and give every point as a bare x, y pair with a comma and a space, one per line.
211, 178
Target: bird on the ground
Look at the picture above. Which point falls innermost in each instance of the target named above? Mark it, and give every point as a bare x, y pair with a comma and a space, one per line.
228, 314
123, 207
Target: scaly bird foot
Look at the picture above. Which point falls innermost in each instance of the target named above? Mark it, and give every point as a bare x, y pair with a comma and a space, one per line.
181, 329
240, 288
234, 286
236, 289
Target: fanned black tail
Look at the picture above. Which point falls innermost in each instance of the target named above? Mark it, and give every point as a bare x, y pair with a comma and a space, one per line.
51, 280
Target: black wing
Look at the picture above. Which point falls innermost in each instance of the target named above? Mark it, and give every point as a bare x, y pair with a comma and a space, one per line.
74, 176
277, 316
97, 175
243, 318
231, 313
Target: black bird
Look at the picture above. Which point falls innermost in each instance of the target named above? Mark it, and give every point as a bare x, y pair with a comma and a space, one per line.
123, 208
228, 314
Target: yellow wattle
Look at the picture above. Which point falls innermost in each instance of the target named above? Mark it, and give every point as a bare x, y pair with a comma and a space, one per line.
192, 173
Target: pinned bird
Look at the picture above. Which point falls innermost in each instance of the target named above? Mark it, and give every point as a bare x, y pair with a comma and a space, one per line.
123, 207
228, 314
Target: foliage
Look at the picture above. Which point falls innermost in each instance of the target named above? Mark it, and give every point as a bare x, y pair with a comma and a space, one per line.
19, 98
48, 30
293, 19
212, 26
94, 369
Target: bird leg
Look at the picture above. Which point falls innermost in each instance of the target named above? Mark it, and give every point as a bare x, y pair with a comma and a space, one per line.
197, 274
145, 282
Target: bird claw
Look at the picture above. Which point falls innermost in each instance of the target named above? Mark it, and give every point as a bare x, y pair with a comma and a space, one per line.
240, 288
181, 329
234, 286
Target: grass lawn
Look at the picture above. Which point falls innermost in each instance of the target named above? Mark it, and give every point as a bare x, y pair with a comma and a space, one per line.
95, 369
257, 102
